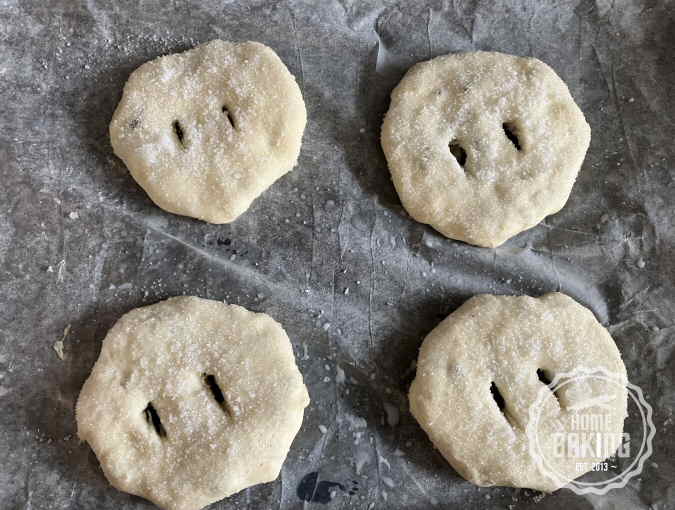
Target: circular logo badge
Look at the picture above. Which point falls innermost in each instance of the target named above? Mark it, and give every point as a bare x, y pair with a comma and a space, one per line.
601, 458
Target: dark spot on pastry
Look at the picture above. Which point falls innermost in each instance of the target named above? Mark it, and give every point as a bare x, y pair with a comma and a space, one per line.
545, 378
178, 130
458, 153
497, 396
512, 134
501, 403
152, 417
229, 116
214, 388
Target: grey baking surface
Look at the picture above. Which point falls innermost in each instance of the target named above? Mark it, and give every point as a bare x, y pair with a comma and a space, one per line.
327, 250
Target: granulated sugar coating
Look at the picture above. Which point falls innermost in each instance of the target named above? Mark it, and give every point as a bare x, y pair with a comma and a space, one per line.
482, 146
206, 131
192, 400
480, 371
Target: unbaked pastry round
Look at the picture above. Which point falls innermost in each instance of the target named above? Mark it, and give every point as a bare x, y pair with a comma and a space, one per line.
482, 146
206, 131
492, 348
192, 400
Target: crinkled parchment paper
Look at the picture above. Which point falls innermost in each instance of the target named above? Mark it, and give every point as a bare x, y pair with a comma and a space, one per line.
327, 251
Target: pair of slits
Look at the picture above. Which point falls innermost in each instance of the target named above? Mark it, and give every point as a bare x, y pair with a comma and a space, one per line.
501, 403
181, 135
153, 418
459, 153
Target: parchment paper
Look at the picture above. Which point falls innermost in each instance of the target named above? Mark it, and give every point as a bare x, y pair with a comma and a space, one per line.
328, 250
